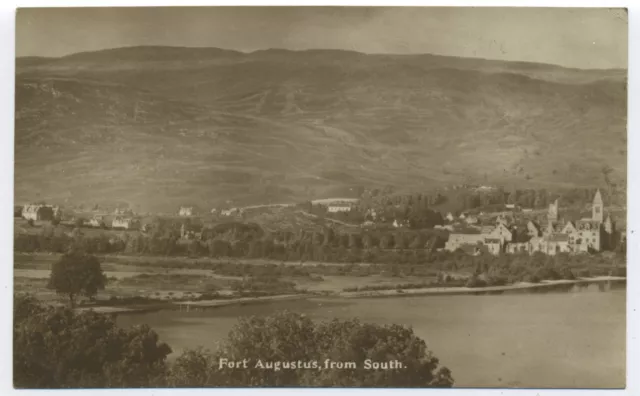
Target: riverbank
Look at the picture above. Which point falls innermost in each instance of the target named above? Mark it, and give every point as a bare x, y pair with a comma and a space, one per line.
204, 304
475, 290
192, 305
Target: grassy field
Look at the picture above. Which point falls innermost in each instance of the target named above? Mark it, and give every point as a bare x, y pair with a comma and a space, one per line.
175, 279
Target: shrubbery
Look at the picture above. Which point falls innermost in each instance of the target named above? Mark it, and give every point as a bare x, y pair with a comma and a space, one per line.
58, 348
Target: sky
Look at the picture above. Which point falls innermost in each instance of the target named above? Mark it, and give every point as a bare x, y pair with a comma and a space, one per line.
584, 38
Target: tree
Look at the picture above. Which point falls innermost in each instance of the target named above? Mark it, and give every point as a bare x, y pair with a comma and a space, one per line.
58, 348
290, 338
77, 273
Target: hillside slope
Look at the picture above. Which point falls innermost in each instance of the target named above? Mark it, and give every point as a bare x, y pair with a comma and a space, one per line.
158, 126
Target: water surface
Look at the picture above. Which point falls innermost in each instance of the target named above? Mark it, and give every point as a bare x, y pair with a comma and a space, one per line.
570, 336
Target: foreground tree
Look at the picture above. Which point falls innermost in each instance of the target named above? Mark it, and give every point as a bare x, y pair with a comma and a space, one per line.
58, 348
77, 274
291, 338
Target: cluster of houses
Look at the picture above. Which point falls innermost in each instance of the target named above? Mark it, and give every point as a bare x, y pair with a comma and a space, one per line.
590, 234
190, 211
41, 212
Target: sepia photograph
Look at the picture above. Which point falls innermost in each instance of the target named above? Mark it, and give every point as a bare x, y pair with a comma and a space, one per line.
320, 197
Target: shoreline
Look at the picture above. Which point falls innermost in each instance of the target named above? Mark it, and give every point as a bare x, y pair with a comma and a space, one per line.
187, 306
474, 290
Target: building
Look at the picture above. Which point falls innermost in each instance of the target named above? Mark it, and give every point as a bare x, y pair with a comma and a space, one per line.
400, 223
533, 229
125, 223
460, 239
589, 234
449, 217
123, 212
186, 211
38, 212
230, 212
97, 221
471, 220
502, 233
190, 231
339, 207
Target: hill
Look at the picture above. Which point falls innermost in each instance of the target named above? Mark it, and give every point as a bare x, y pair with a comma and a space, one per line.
158, 126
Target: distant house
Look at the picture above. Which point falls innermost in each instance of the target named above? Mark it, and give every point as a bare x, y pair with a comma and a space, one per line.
123, 212
493, 245
471, 220
125, 223
230, 212
401, 223
190, 231
510, 206
186, 211
458, 240
339, 207
371, 214
57, 212
449, 217
97, 221
533, 229
502, 233
37, 212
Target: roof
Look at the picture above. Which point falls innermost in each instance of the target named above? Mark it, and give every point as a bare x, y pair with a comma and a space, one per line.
597, 199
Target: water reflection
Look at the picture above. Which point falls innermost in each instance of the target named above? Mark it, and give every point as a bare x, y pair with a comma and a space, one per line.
581, 287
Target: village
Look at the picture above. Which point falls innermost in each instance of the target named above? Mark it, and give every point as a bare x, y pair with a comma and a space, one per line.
513, 230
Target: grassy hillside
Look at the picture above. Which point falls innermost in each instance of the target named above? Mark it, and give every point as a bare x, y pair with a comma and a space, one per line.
158, 126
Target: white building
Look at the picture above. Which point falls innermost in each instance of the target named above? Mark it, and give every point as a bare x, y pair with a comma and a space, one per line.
339, 207
37, 212
230, 212
126, 223
186, 211
97, 221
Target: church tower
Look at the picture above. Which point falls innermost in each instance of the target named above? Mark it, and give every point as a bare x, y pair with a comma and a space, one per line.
597, 209
552, 214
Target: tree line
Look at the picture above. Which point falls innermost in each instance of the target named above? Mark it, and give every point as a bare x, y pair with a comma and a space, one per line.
250, 241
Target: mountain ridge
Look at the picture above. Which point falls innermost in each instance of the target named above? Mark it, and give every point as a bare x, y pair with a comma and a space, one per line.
158, 132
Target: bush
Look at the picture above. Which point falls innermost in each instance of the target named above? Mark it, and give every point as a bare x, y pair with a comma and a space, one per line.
531, 278
291, 338
474, 281
57, 348
584, 273
619, 271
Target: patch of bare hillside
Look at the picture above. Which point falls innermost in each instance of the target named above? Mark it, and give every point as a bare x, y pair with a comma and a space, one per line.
157, 126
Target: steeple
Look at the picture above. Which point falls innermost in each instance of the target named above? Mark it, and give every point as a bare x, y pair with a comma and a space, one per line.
597, 209
552, 214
